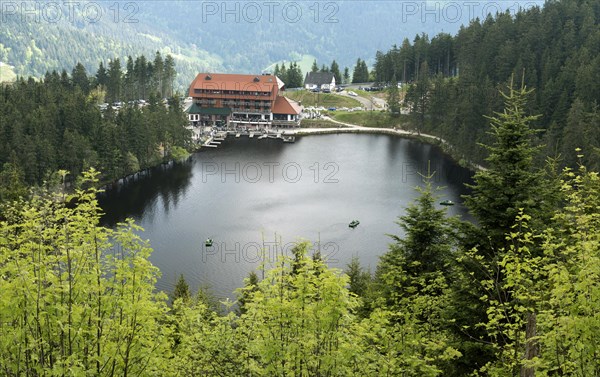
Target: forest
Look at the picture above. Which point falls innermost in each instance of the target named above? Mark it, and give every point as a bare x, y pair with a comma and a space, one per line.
455, 79
515, 293
56, 123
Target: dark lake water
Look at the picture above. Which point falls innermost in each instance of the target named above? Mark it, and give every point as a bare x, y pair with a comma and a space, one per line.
250, 195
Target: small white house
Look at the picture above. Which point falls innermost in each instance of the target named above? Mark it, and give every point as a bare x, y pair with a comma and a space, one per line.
325, 81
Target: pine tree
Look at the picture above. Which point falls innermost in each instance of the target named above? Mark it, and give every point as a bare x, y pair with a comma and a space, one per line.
114, 81
101, 75
413, 277
510, 183
335, 69
507, 189
169, 76
393, 98
130, 80
315, 67
357, 75
80, 79
181, 290
346, 75
245, 293
283, 73
158, 75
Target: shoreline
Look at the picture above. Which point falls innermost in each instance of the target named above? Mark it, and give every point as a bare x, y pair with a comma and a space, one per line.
355, 129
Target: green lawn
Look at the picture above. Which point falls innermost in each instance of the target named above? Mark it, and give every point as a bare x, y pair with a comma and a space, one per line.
370, 119
318, 123
308, 98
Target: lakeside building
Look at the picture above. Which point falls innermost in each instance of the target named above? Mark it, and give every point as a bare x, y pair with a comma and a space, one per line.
241, 101
323, 81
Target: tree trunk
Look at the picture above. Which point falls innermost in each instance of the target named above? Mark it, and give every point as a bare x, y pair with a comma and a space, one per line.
532, 349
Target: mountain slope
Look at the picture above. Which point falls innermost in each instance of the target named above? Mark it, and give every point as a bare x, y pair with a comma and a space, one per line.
217, 36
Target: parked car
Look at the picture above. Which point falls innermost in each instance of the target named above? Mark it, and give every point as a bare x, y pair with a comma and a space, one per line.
351, 93
332, 109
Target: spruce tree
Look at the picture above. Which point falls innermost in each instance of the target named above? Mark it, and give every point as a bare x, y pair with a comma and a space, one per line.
393, 98
335, 69
510, 186
80, 79
510, 183
315, 67
181, 290
346, 75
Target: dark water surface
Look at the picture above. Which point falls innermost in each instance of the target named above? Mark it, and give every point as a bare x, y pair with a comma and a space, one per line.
249, 193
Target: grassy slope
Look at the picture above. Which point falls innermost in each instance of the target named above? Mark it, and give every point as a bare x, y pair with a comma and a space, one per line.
321, 99
318, 123
370, 119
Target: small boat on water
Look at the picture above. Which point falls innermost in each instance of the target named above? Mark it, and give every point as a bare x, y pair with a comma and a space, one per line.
353, 224
289, 139
208, 242
447, 203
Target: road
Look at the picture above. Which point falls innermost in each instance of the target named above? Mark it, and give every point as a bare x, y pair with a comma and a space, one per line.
373, 104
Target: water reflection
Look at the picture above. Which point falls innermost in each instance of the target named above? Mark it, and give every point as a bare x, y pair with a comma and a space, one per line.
166, 183
331, 180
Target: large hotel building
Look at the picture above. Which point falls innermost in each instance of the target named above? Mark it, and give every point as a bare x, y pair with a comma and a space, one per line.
250, 101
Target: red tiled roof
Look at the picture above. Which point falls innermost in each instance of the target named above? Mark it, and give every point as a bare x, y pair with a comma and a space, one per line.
225, 81
285, 106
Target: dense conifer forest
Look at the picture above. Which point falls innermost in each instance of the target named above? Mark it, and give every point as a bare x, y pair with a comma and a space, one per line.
455, 79
57, 123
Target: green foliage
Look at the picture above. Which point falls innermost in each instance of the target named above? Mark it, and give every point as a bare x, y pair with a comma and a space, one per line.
297, 323
569, 321
545, 322
78, 299
179, 153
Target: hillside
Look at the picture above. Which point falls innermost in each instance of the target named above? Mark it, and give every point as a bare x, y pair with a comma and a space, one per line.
240, 36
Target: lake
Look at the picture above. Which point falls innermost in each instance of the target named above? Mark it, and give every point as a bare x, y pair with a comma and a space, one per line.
256, 198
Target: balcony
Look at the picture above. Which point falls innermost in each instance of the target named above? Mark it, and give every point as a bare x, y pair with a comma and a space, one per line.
250, 111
